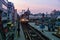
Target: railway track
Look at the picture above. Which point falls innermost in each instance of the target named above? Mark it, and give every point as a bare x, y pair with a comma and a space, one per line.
31, 33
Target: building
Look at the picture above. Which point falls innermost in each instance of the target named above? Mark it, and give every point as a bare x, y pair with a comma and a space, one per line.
8, 20
55, 13
3, 11
16, 19
10, 10
12, 18
26, 14
3, 17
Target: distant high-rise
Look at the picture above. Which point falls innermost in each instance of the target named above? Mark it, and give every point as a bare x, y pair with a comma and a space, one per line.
28, 12
55, 13
23, 11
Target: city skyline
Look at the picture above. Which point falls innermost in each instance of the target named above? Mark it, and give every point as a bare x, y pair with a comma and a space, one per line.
37, 6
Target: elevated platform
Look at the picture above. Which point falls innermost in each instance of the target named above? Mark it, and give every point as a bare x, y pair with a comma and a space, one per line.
22, 37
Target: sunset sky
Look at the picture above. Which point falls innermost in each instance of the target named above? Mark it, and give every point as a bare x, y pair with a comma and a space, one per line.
37, 6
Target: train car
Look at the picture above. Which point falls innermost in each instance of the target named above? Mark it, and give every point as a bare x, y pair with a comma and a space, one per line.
24, 20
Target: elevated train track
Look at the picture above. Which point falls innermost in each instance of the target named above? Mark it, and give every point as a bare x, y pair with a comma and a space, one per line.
31, 33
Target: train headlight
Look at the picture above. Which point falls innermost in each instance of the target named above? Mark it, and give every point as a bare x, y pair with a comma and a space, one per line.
22, 20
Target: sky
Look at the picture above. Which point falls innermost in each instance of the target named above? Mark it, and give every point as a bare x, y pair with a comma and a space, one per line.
36, 6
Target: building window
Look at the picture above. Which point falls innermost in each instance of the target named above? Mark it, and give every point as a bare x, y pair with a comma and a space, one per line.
6, 1
4, 14
3, 6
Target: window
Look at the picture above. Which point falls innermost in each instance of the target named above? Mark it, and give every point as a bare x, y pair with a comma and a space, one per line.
4, 14
3, 6
6, 1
